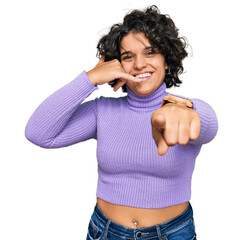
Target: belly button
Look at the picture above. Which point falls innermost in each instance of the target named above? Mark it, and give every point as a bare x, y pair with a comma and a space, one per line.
134, 222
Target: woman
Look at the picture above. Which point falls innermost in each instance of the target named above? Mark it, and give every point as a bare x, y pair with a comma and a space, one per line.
143, 191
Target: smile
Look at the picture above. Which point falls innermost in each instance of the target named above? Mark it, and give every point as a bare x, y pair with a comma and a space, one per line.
143, 76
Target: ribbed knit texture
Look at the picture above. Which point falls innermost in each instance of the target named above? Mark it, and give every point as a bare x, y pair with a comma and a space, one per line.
130, 171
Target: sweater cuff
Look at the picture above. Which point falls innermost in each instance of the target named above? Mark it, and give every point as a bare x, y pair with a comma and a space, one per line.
208, 120
204, 121
86, 81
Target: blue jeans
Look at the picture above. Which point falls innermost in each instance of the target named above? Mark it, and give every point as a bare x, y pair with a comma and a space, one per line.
179, 228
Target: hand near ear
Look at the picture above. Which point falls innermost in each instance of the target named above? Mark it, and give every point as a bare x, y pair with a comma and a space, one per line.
105, 72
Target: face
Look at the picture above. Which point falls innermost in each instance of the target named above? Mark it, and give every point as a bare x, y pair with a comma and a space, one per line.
139, 59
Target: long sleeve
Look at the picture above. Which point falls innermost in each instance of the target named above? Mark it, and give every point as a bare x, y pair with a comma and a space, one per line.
61, 119
208, 121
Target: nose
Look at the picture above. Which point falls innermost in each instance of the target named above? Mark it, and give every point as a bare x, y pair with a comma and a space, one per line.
140, 62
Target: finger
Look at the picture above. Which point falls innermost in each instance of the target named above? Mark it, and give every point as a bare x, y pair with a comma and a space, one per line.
160, 142
162, 147
181, 101
184, 133
195, 127
158, 120
158, 125
119, 84
128, 77
171, 133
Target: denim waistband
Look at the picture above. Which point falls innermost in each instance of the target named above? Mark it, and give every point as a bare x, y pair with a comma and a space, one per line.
145, 232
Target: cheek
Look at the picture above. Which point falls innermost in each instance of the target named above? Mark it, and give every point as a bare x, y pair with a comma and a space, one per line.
160, 68
126, 66
159, 63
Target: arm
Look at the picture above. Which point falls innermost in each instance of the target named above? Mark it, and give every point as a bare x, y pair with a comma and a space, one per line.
208, 122
60, 120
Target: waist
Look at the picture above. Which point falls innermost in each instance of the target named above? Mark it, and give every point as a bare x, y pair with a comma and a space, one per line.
138, 191
139, 217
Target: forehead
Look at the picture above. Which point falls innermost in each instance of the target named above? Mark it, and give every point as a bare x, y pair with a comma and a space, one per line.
134, 42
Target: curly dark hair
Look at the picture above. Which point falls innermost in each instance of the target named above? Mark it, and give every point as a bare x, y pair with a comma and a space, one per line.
161, 33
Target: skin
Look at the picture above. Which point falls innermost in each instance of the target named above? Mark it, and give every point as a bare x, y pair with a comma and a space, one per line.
105, 72
172, 124
138, 56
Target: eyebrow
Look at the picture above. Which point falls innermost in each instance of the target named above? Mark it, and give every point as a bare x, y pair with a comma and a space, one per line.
127, 52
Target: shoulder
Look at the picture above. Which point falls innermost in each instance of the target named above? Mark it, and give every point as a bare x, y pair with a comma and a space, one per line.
110, 100
110, 107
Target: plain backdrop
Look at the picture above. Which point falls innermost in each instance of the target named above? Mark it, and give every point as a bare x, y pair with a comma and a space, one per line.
51, 193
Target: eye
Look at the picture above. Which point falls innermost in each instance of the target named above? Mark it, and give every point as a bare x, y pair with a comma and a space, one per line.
152, 52
127, 57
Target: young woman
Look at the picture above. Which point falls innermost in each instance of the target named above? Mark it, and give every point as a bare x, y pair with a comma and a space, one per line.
143, 190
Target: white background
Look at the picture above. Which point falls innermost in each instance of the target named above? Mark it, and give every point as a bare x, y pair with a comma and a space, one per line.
50, 194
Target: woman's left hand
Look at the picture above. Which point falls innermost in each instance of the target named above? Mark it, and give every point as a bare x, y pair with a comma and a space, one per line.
174, 124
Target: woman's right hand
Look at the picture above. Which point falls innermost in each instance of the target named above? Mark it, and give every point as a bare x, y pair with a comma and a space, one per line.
105, 72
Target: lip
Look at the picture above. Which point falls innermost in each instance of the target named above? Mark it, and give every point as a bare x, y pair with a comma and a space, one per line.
141, 73
146, 78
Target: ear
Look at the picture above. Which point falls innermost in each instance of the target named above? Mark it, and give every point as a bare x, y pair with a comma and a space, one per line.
166, 66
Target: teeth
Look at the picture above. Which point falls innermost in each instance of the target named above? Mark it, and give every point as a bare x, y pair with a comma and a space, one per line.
144, 75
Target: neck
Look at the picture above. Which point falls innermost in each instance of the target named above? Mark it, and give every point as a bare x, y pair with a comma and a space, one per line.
146, 103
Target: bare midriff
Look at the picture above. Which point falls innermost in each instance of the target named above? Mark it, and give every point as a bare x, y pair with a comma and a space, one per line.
139, 217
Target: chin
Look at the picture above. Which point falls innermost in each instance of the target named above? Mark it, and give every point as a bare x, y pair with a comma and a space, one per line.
144, 93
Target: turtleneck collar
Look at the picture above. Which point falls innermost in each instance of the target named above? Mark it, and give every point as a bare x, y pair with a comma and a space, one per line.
150, 102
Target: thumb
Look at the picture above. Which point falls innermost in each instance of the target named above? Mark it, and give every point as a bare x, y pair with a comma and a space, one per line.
158, 121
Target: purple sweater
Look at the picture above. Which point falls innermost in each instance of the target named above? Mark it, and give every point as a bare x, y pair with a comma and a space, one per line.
130, 171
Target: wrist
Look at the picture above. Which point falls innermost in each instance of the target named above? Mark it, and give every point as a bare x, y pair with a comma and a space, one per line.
91, 77
178, 101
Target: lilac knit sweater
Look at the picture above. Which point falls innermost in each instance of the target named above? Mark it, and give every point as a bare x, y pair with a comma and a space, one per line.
130, 171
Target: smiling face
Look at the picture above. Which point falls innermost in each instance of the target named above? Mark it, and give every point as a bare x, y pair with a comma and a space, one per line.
140, 59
